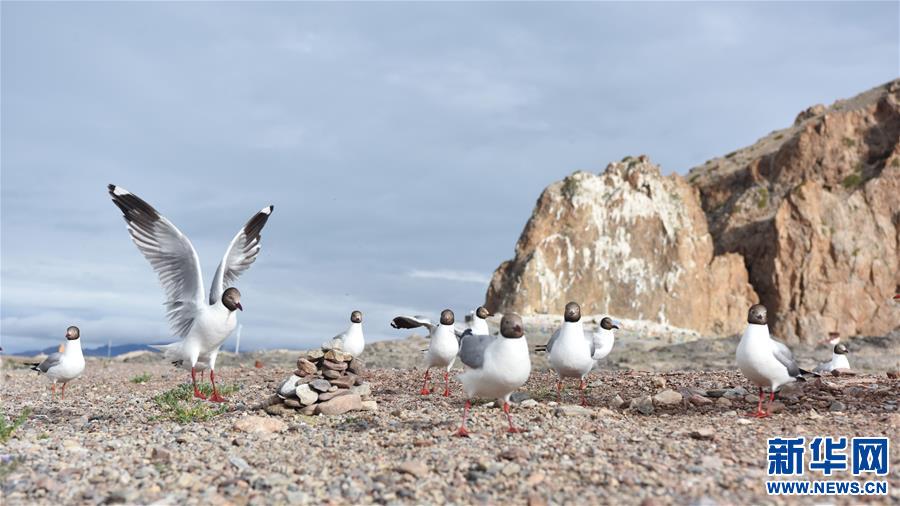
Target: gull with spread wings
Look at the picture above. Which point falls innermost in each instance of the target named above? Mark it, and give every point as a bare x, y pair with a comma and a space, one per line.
202, 323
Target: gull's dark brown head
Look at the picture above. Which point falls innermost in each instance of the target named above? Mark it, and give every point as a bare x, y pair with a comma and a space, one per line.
511, 326
572, 312
231, 299
447, 317
482, 312
72, 333
356, 317
840, 349
608, 324
757, 315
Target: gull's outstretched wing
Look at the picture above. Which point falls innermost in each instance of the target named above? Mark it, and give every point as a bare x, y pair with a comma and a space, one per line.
169, 252
412, 322
241, 253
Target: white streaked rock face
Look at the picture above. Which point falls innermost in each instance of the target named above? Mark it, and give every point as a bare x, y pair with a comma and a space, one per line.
627, 242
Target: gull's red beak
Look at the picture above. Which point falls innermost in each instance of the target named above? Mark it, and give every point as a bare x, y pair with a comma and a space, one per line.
897, 297
239, 306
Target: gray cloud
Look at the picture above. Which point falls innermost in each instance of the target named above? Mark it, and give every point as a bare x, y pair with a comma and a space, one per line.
393, 139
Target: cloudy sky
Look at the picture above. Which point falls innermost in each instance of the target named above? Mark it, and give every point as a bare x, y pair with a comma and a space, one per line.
403, 145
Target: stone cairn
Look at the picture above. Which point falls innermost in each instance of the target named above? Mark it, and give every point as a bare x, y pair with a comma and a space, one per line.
327, 381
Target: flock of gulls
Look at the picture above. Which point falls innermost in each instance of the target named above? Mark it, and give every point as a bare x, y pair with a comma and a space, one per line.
495, 366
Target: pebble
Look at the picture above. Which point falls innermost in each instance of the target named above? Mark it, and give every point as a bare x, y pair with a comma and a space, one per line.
305, 366
616, 402
528, 403
259, 425
667, 398
331, 375
334, 366
306, 395
658, 382
239, 463
415, 468
723, 402
643, 405
289, 386
837, 406
514, 453
320, 385
703, 433
340, 405
572, 410
699, 400
369, 405
344, 381
160, 454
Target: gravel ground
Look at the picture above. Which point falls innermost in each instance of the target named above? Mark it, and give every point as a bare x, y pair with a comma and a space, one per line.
109, 442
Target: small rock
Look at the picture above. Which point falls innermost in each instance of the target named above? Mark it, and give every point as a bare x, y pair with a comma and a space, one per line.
346, 381
315, 355
309, 410
293, 403
616, 402
571, 410
517, 397
280, 409
334, 366
643, 405
528, 403
667, 398
340, 405
658, 382
893, 374
837, 406
370, 405
723, 402
356, 366
306, 395
719, 392
258, 364
776, 407
259, 425
699, 400
535, 478
306, 367
327, 396
703, 433
415, 468
331, 375
160, 454
743, 421
514, 453
511, 469
288, 387
320, 385
338, 356
239, 463
363, 390
536, 499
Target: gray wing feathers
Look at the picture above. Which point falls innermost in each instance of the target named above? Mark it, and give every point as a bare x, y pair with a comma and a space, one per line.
169, 252
552, 340
784, 355
241, 253
51, 361
472, 348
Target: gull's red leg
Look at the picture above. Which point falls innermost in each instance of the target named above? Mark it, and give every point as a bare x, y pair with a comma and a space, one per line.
425, 390
215, 397
583, 386
462, 431
52, 390
446, 383
64, 391
759, 411
197, 393
769, 405
559, 389
512, 428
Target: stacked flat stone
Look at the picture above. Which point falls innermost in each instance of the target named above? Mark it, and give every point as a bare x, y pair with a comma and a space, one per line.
327, 382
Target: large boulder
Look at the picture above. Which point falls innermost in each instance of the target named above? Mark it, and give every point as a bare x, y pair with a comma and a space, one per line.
627, 242
815, 211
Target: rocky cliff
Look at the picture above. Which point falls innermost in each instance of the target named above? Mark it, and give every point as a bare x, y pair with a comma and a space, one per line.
811, 213
629, 242
815, 211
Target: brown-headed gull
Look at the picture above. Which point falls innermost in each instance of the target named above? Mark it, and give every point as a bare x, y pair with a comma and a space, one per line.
443, 344
477, 321
495, 367
63, 367
573, 352
838, 360
763, 360
352, 340
202, 323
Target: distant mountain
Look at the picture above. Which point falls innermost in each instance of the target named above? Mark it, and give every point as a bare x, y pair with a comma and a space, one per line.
99, 351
